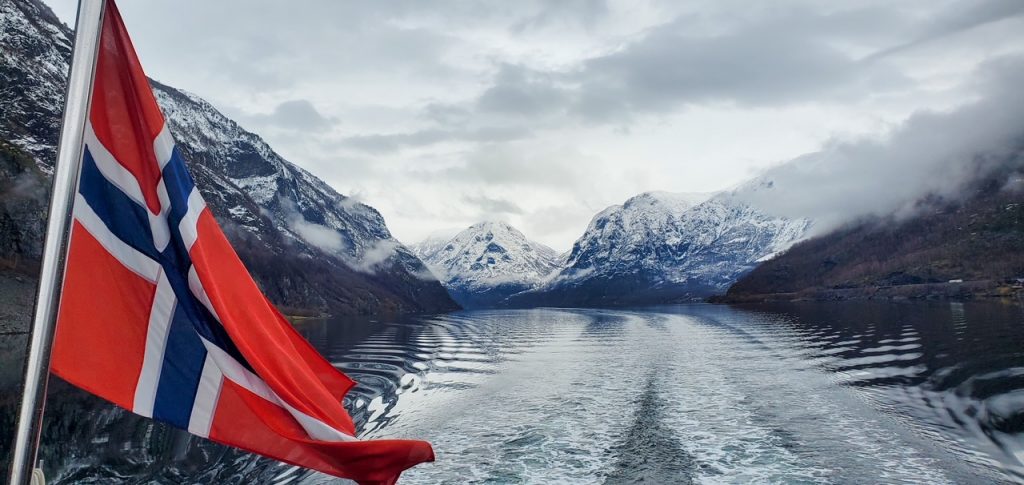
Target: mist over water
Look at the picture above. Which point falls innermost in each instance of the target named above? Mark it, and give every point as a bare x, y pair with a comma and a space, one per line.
854, 392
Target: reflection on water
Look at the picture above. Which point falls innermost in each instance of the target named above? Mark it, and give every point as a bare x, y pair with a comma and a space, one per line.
795, 393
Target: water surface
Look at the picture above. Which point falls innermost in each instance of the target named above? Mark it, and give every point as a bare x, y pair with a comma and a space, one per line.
788, 393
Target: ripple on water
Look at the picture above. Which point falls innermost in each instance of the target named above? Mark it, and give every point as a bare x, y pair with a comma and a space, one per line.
831, 393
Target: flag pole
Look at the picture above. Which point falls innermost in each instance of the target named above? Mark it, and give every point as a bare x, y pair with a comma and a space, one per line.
51, 276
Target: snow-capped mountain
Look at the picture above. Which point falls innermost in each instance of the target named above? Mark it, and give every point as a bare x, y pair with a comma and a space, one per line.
660, 247
430, 246
487, 262
307, 245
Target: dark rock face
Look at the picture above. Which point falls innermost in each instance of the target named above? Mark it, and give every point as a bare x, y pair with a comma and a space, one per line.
24, 195
309, 248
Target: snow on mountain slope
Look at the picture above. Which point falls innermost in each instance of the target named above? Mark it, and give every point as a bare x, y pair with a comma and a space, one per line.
487, 262
300, 205
660, 247
430, 246
34, 57
307, 245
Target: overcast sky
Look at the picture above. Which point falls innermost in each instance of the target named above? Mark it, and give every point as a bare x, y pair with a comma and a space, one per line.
441, 114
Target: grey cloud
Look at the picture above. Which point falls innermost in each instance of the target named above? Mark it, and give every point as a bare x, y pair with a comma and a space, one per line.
960, 18
253, 73
427, 274
932, 153
267, 45
777, 60
252, 59
585, 12
297, 114
323, 237
383, 143
752, 66
380, 252
488, 206
492, 87
779, 57
446, 113
519, 163
520, 91
771, 57
973, 14
331, 241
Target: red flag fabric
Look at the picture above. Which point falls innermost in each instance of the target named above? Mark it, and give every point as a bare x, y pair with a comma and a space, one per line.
159, 315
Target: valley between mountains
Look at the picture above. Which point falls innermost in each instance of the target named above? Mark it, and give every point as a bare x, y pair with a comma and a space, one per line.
315, 251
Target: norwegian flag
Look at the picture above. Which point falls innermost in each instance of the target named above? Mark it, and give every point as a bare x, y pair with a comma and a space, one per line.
159, 316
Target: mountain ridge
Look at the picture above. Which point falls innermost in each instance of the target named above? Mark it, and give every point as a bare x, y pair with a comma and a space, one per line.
309, 248
660, 247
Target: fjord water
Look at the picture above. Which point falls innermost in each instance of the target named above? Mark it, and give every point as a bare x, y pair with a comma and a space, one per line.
859, 392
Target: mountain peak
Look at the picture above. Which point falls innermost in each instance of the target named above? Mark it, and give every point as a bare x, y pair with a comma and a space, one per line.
678, 201
487, 262
492, 224
496, 230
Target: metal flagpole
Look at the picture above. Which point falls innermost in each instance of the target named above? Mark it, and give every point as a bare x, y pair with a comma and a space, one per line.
51, 276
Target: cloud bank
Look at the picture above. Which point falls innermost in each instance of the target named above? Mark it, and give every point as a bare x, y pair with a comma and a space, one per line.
931, 153
543, 113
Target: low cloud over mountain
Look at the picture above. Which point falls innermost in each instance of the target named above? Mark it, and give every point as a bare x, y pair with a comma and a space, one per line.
932, 153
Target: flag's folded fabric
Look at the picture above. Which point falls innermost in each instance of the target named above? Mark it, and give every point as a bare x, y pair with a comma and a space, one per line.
159, 316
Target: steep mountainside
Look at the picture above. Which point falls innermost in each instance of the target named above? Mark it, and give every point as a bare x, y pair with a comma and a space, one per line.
660, 247
34, 56
979, 239
23, 206
308, 246
430, 246
487, 262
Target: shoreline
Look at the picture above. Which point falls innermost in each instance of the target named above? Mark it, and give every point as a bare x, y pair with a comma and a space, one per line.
959, 291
